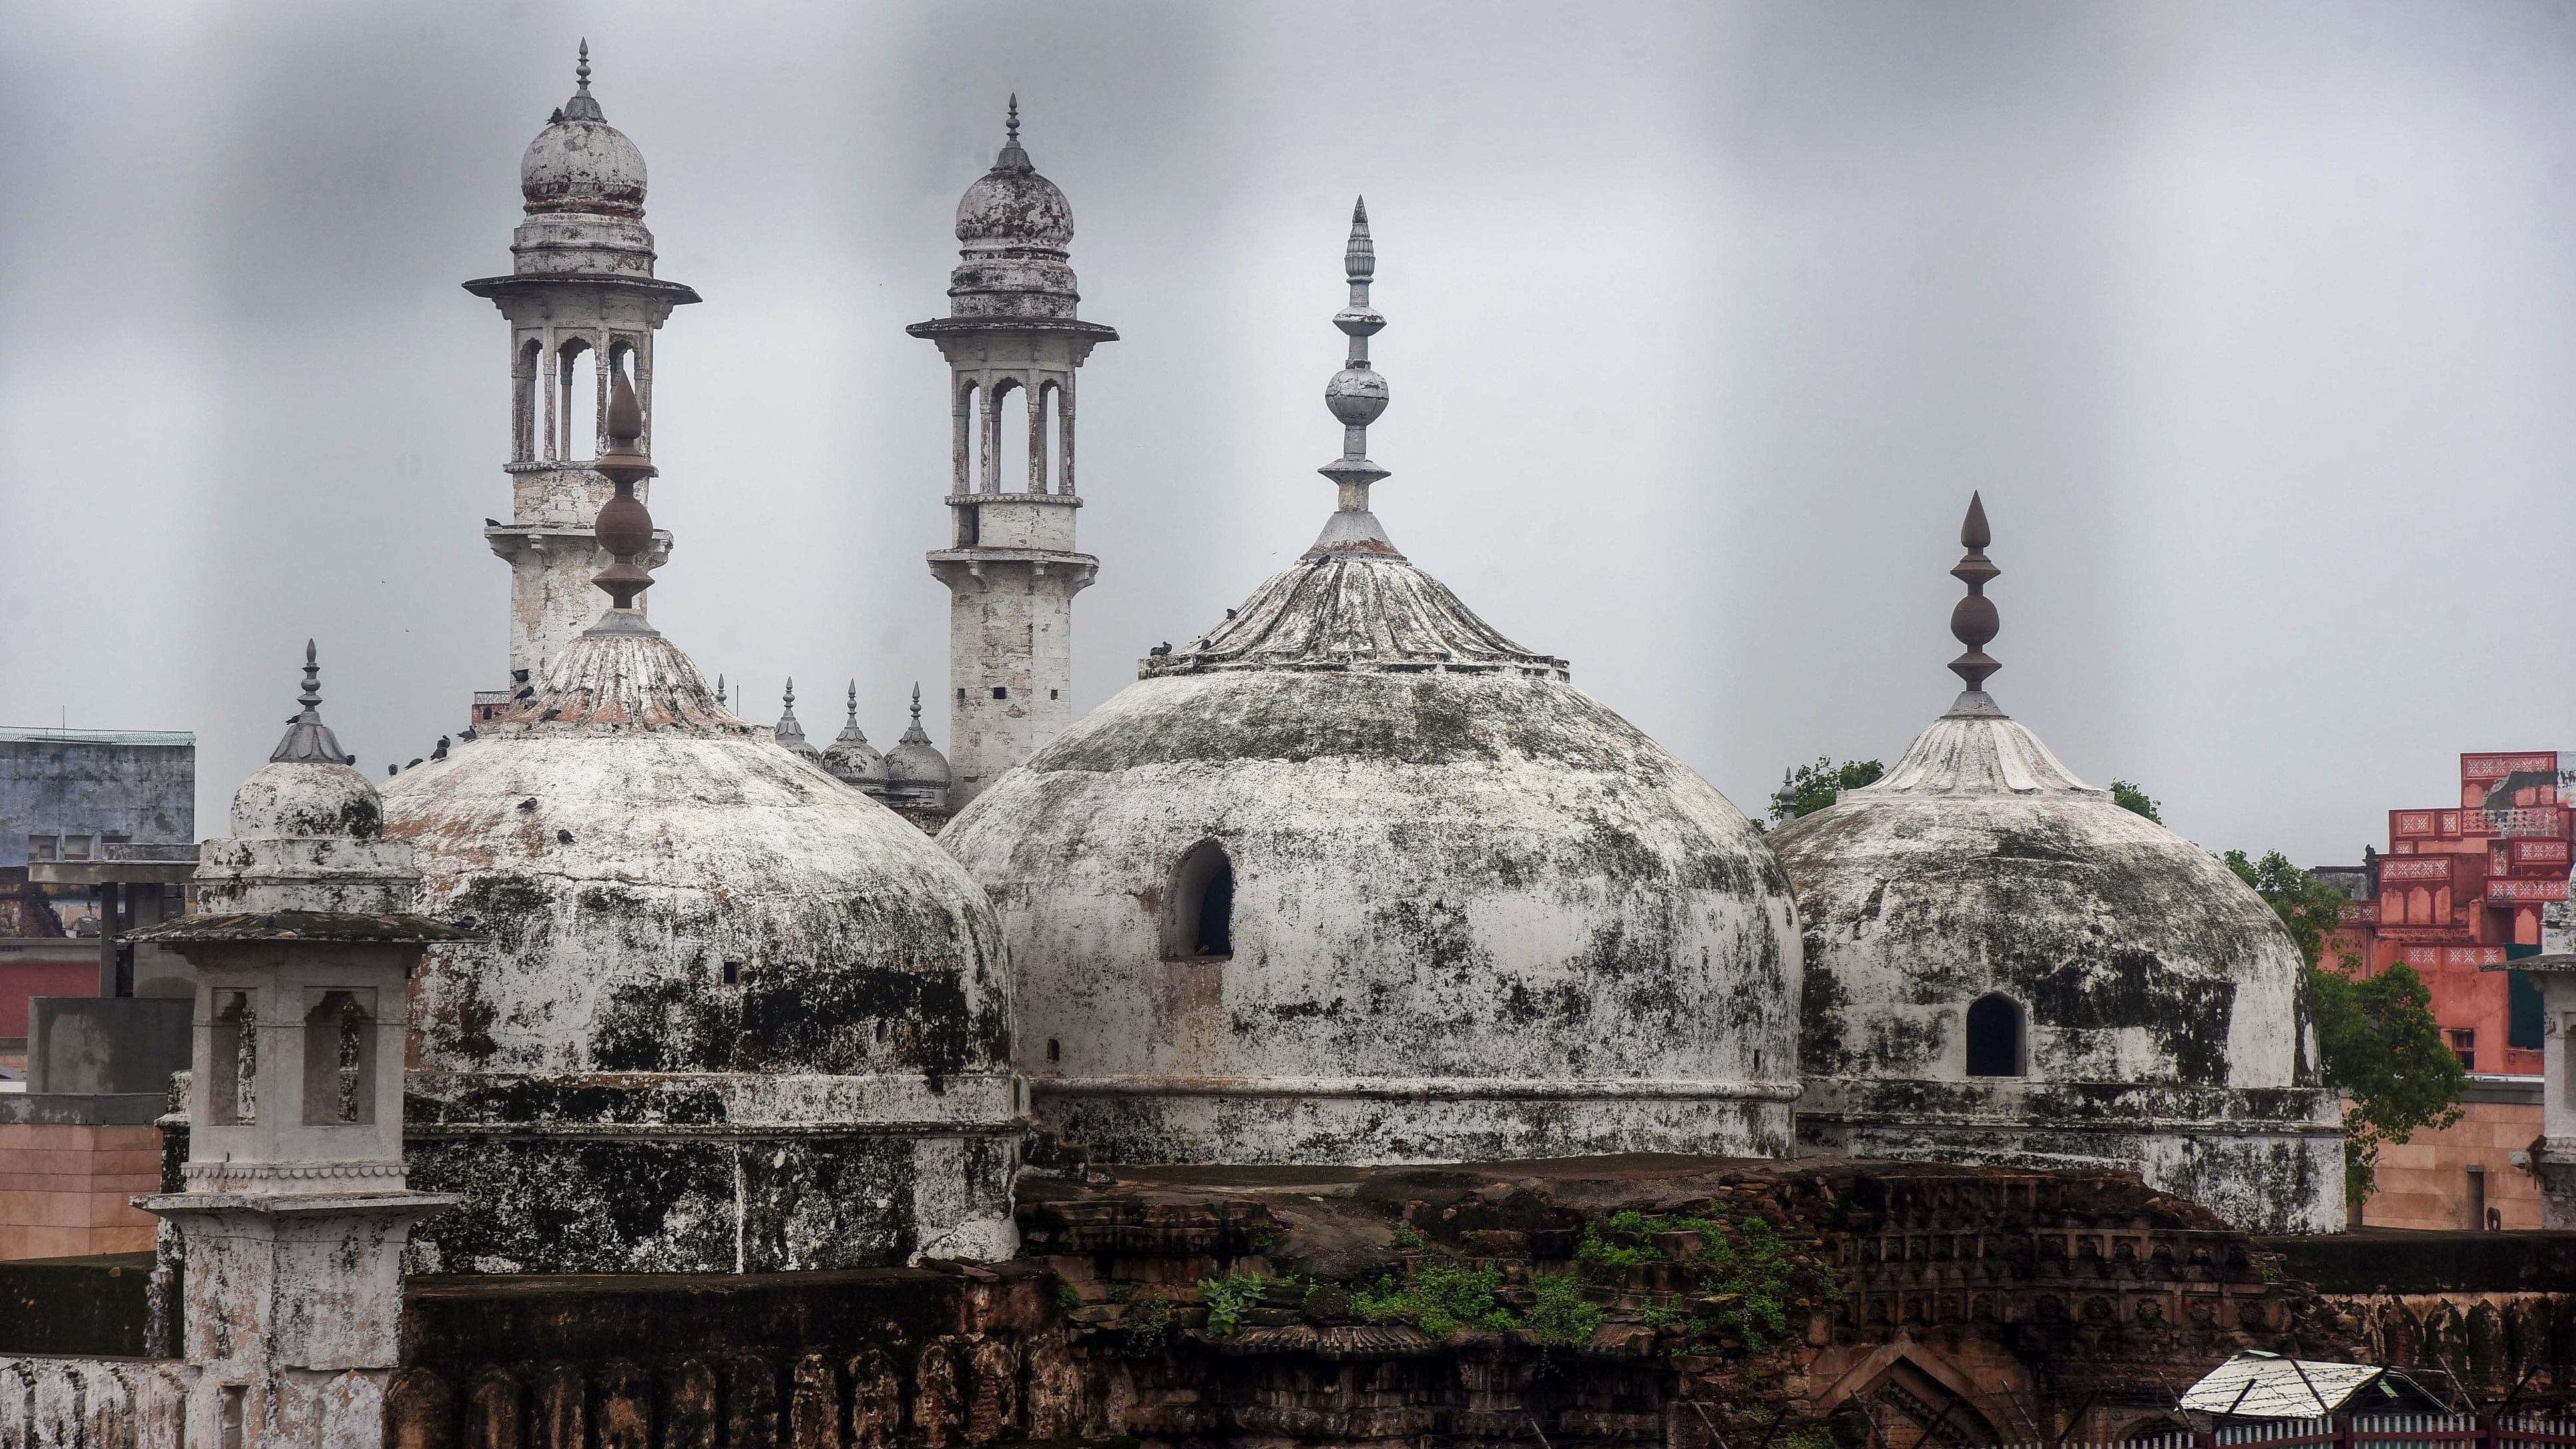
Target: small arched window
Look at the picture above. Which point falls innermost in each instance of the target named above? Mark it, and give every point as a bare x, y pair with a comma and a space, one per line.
1198, 910
1995, 1047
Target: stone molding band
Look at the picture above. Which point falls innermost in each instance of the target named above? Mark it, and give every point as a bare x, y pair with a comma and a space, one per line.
1419, 1088
682, 1132
2129, 1126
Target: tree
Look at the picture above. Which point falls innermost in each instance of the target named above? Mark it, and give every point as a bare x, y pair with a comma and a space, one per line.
1810, 788
2128, 796
2377, 1042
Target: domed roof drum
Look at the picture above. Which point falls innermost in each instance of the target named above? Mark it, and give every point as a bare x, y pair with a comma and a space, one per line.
2005, 965
1355, 878
695, 937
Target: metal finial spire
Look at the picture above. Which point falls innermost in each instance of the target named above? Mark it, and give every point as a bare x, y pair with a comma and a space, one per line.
1974, 622
308, 741
582, 107
1357, 396
915, 735
854, 704
1012, 158
791, 694
624, 528
916, 702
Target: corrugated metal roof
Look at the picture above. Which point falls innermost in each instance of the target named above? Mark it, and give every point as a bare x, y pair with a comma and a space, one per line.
2267, 1386
24, 734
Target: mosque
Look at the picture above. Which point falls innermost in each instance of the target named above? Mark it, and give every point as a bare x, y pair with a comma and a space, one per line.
1346, 879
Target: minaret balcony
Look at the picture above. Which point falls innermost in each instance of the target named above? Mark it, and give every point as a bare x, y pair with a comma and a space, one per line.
974, 569
542, 541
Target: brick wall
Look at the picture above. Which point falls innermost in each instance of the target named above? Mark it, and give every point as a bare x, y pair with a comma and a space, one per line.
64, 1188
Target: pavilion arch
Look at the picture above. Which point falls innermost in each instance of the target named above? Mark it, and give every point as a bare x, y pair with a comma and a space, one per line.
526, 400
577, 415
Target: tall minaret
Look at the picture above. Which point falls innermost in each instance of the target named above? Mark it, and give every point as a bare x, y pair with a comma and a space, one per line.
1013, 345
581, 298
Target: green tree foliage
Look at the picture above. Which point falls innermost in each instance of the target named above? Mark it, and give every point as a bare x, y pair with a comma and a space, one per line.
1810, 788
2377, 1042
2130, 796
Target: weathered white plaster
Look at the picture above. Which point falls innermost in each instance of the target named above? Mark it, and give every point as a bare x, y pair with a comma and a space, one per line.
2163, 1004
1475, 914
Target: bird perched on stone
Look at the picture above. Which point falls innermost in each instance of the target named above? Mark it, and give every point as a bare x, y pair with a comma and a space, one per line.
491, 523
440, 753
1160, 650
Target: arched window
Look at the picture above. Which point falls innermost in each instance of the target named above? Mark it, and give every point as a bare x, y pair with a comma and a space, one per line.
962, 445
1048, 437
339, 1061
1007, 470
1995, 1047
524, 397
233, 1095
579, 415
1198, 910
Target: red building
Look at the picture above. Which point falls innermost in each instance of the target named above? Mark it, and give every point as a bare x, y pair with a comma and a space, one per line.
2463, 889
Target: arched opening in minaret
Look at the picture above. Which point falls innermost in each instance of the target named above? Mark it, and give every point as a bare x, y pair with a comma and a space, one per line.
1051, 477
622, 358
1198, 908
1011, 417
965, 444
525, 395
577, 384
1995, 1044
339, 1060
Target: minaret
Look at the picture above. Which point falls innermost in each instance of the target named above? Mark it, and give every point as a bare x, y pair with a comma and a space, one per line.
581, 298
296, 1206
1013, 346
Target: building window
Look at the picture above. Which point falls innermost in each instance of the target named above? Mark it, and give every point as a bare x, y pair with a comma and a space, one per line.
2477, 1203
76, 847
2464, 1045
1995, 1037
1001, 692
1198, 911
44, 847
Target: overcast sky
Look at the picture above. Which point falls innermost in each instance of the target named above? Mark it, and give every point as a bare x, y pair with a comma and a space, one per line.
2256, 324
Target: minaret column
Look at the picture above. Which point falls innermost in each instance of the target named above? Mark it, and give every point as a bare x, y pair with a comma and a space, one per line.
1014, 567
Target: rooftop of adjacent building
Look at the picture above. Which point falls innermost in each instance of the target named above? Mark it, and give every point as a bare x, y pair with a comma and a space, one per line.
41, 734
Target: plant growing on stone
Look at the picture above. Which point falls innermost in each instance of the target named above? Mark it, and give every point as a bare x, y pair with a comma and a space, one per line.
1226, 1300
1439, 1298
1562, 1315
2132, 797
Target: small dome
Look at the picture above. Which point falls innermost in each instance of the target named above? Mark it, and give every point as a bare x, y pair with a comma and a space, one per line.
580, 163
1013, 226
296, 800
851, 759
790, 734
914, 760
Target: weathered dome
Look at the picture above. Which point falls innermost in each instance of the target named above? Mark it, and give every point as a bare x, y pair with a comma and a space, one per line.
583, 165
298, 800
583, 181
690, 926
1467, 912
851, 759
914, 760
2005, 965
1013, 228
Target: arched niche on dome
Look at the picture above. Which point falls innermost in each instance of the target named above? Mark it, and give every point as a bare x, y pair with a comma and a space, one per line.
1998, 1037
1198, 908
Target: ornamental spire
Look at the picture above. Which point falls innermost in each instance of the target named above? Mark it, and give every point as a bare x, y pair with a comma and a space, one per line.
624, 528
916, 735
582, 107
1357, 396
1012, 157
308, 740
1973, 622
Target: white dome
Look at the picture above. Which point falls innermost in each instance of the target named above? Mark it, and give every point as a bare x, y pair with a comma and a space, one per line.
1473, 913
303, 800
2158, 1005
576, 165
686, 924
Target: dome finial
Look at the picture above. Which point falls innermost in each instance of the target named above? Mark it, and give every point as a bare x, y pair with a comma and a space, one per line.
1974, 622
624, 528
1357, 396
308, 741
916, 710
854, 704
1012, 157
582, 107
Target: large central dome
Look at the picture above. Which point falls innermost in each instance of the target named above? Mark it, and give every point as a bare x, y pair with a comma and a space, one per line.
1354, 878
